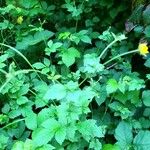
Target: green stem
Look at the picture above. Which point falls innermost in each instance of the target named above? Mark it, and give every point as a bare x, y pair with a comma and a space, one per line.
83, 81
7, 81
127, 53
14, 122
104, 51
17, 73
4, 72
18, 52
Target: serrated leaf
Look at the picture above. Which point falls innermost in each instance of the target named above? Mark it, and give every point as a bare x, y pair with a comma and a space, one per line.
28, 145
56, 91
52, 47
89, 129
102, 94
60, 135
41, 136
111, 147
19, 145
146, 97
146, 14
34, 39
141, 141
31, 120
22, 100
86, 39
27, 3
46, 147
39, 65
147, 31
46, 62
95, 144
123, 135
3, 58
147, 63
136, 84
68, 56
51, 124
112, 86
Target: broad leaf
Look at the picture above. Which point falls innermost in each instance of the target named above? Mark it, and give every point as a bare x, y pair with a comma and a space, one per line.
56, 91
146, 97
60, 135
112, 86
31, 120
123, 135
68, 56
41, 136
141, 141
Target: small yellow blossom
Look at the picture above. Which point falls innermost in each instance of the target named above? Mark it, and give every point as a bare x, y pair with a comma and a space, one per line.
20, 19
143, 49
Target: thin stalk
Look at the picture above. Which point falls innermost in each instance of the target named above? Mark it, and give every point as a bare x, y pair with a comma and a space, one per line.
18, 52
127, 53
83, 81
105, 50
4, 72
14, 122
106, 108
7, 81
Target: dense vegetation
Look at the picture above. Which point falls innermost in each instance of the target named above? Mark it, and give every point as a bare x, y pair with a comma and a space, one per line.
74, 75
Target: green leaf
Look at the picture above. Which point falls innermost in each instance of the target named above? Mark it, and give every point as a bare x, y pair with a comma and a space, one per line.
27, 3
64, 35
95, 144
70, 132
141, 141
19, 145
44, 114
47, 62
38, 65
52, 47
91, 64
147, 63
123, 135
4, 25
3, 58
146, 112
60, 135
102, 94
22, 100
69, 55
34, 39
146, 14
112, 86
136, 84
146, 97
28, 145
85, 39
3, 141
51, 124
56, 91
31, 120
111, 147
148, 76
147, 31
89, 129
46, 147
41, 36
41, 136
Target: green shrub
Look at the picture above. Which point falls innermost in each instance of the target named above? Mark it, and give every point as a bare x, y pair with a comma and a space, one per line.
67, 78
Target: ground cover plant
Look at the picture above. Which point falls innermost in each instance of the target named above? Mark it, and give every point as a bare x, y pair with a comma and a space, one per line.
74, 75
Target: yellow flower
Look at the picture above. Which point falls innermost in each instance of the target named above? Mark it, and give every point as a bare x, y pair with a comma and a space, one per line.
143, 49
20, 19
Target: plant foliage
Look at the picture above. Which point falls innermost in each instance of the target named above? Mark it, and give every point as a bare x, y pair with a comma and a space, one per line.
69, 79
